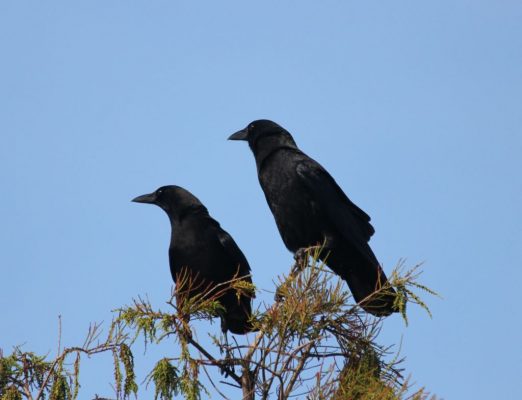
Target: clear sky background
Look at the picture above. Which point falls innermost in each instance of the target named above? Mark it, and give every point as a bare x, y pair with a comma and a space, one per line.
414, 107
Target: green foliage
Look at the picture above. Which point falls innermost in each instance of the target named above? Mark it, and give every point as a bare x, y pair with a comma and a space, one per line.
5, 373
360, 378
60, 389
166, 380
314, 343
28, 375
125, 384
405, 283
10, 393
76, 374
117, 372
243, 288
142, 318
20, 366
127, 359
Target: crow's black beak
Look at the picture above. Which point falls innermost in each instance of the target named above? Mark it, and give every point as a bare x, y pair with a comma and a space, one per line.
146, 198
240, 135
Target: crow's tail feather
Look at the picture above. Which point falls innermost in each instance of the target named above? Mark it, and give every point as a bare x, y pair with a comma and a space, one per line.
237, 316
366, 280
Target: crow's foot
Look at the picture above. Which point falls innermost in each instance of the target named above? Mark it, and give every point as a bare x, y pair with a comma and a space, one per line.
301, 258
227, 366
301, 262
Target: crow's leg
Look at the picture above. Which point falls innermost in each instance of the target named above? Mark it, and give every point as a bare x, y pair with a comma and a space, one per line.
301, 262
227, 367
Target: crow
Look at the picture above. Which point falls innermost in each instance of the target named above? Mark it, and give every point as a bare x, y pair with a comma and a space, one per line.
311, 210
202, 253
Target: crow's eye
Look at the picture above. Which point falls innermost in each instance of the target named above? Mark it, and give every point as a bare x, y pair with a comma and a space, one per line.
160, 191
251, 127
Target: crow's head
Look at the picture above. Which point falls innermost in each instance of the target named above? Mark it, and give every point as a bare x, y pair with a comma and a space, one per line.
264, 134
176, 201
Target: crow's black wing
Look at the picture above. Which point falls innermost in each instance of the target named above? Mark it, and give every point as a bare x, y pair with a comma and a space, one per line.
238, 310
235, 254
348, 219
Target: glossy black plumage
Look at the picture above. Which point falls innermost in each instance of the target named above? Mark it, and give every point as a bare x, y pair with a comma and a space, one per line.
209, 254
311, 209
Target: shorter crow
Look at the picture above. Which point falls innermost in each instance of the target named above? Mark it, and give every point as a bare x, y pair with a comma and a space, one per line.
204, 254
310, 209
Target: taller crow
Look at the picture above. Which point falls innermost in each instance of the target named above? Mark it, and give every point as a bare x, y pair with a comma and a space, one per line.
310, 209
203, 252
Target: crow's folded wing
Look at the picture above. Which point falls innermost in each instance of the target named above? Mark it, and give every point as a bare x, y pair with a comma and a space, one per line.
352, 223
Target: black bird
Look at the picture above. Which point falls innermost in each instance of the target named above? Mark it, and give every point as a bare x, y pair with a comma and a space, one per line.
310, 209
200, 247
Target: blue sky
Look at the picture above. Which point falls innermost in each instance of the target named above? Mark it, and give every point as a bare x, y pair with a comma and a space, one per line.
414, 108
